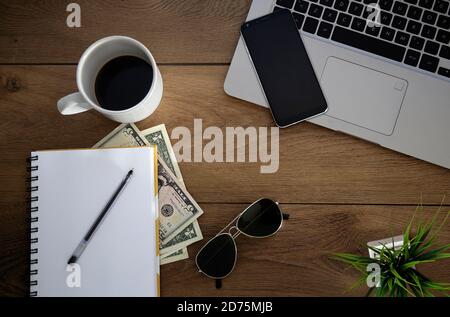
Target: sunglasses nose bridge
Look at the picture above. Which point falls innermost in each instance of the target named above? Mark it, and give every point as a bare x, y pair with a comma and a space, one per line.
235, 233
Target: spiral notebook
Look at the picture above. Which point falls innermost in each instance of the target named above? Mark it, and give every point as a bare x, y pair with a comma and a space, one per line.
69, 188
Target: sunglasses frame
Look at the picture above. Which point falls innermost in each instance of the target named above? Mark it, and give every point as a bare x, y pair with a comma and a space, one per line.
235, 235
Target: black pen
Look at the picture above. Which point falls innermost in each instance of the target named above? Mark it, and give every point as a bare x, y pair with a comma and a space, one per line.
84, 242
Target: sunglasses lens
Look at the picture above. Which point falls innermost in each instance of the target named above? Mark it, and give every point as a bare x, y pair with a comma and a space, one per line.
218, 256
261, 219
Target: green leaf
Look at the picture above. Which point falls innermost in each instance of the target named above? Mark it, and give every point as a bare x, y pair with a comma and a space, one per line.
408, 228
379, 291
421, 235
418, 290
370, 290
423, 248
435, 254
437, 286
411, 264
399, 277
390, 285
402, 292
442, 223
427, 293
358, 283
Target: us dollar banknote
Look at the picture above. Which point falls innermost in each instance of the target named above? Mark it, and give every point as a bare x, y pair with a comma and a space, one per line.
178, 255
125, 135
187, 231
158, 135
187, 236
177, 208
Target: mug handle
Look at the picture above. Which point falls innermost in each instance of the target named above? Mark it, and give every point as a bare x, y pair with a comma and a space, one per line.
72, 104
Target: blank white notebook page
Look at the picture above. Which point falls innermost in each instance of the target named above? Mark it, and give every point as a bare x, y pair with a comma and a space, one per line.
74, 186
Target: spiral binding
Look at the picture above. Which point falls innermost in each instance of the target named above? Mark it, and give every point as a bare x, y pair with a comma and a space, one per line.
33, 211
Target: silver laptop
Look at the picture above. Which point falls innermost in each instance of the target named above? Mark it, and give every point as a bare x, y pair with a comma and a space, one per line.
389, 85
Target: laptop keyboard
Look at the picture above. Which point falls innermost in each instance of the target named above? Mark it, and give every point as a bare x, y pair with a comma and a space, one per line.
413, 32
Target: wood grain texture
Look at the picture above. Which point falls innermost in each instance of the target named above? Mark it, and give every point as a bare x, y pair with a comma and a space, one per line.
294, 262
316, 165
176, 31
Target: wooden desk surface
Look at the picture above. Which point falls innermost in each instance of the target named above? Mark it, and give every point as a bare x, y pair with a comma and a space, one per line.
340, 191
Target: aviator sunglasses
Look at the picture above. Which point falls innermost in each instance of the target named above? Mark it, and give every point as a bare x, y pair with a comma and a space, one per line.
217, 258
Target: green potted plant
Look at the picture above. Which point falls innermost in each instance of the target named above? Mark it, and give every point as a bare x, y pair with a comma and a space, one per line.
393, 262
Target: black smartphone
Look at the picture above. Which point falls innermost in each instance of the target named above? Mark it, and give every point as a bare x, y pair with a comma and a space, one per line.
283, 67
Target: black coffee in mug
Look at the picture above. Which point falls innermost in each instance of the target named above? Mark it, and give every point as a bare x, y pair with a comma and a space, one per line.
123, 82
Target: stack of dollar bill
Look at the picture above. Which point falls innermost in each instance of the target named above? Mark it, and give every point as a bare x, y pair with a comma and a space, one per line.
178, 210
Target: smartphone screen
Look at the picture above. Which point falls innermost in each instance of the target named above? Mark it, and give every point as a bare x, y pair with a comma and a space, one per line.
283, 67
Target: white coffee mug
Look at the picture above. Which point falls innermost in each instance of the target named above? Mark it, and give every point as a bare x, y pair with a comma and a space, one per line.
92, 60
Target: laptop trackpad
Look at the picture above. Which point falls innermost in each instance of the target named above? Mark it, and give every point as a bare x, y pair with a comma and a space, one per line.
362, 96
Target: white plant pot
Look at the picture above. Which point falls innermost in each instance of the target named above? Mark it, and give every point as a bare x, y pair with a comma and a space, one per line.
392, 242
